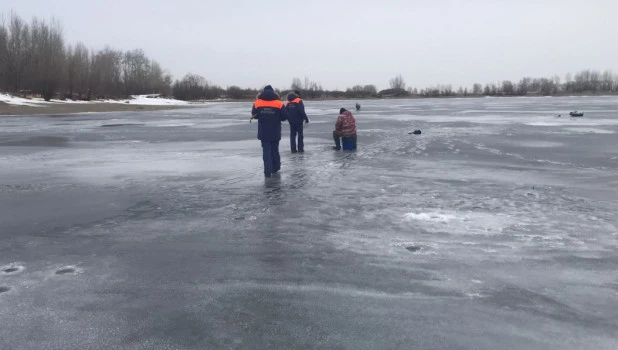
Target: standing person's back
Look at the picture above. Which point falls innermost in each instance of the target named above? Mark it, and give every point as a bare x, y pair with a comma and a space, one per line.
270, 112
296, 117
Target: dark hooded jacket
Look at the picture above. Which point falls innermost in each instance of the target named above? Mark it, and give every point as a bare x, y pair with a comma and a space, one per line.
296, 110
270, 112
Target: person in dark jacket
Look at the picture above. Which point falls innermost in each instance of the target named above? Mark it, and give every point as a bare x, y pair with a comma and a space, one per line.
296, 116
270, 112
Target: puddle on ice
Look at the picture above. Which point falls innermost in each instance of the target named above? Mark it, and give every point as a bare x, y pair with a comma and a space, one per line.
413, 248
11, 269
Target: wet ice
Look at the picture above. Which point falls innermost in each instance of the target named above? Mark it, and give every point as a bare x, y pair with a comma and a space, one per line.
494, 228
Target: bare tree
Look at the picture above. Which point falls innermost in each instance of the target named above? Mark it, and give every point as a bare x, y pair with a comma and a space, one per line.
17, 51
3, 53
446, 90
361, 91
477, 89
135, 68
78, 70
296, 84
595, 81
82, 72
34, 57
48, 57
397, 83
105, 78
524, 86
70, 69
607, 81
191, 87
371, 89
508, 88
158, 80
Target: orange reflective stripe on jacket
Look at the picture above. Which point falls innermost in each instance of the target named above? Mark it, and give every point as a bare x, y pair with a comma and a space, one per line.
262, 103
296, 100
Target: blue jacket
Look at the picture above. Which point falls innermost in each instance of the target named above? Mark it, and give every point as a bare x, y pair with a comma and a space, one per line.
270, 112
296, 110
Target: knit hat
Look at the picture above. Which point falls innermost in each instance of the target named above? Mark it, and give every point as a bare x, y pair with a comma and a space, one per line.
342, 110
291, 96
268, 87
297, 92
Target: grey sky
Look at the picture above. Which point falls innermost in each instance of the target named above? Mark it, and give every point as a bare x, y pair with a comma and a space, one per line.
343, 43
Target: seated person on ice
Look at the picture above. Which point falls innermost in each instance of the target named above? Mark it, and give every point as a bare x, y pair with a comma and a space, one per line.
345, 128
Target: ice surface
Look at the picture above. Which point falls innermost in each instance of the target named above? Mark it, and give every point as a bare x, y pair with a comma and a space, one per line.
495, 228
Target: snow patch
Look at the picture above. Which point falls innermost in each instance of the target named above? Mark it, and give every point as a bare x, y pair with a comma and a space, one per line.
435, 217
589, 130
150, 100
476, 223
19, 101
142, 100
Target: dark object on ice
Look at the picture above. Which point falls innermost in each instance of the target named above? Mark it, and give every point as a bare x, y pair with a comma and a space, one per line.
415, 132
4, 289
118, 125
413, 248
65, 270
576, 114
358, 107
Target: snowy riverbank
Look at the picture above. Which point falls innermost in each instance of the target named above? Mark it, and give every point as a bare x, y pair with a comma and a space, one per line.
13, 105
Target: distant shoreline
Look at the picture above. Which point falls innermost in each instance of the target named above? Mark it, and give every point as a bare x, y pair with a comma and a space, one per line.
7, 110
415, 97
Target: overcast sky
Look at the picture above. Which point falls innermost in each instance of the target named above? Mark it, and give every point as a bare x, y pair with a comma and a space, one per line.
344, 43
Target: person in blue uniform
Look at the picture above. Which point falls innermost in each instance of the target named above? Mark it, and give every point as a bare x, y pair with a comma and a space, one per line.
269, 112
296, 117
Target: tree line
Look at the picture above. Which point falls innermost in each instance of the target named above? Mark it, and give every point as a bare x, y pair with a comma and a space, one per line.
583, 82
35, 59
195, 87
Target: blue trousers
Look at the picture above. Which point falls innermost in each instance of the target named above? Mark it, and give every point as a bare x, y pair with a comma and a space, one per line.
270, 155
296, 129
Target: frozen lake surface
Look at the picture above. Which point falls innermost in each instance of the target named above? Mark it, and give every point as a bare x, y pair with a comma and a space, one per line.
494, 229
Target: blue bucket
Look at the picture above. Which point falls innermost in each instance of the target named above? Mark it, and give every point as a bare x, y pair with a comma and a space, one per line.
348, 144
